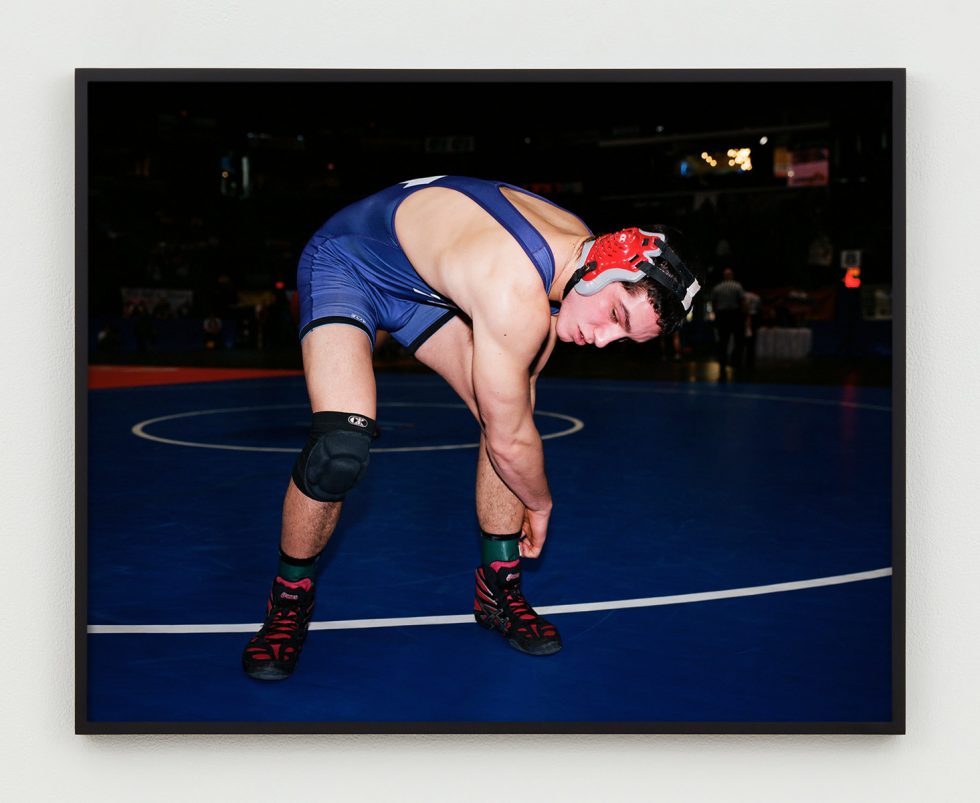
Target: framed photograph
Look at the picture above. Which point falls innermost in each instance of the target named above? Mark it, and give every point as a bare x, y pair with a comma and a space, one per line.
352, 344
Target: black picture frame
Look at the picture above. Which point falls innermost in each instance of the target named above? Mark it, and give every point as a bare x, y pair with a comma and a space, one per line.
493, 82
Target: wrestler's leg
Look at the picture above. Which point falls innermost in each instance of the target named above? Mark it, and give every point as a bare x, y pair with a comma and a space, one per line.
339, 377
499, 603
340, 380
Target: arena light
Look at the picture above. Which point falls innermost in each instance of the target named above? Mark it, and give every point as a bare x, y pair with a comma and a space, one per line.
737, 157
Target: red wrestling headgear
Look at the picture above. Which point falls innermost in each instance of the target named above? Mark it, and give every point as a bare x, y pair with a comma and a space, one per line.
628, 256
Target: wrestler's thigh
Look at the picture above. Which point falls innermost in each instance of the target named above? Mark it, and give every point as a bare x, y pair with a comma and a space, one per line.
449, 352
339, 371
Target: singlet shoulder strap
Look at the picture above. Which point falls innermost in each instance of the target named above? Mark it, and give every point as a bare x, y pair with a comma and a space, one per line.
489, 196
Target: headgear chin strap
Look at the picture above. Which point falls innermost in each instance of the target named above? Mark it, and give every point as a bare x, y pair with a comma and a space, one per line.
628, 256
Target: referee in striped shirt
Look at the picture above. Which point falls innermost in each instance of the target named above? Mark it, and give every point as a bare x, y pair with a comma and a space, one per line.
728, 303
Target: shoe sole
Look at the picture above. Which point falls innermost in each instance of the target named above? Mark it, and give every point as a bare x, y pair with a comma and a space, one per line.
545, 649
267, 673
549, 648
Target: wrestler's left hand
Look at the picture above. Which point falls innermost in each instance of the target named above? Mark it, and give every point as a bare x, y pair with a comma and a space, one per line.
534, 531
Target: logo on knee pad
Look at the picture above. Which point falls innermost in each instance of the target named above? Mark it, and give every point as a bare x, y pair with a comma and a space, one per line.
357, 421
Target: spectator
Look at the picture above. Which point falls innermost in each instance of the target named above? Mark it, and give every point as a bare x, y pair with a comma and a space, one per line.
728, 303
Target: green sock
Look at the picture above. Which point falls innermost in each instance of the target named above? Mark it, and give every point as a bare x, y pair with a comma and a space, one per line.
498, 547
294, 569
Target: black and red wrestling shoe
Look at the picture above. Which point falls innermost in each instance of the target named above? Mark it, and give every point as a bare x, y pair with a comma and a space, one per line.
273, 651
499, 605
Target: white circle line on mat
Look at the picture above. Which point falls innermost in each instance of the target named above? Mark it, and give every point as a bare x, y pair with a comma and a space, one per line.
139, 429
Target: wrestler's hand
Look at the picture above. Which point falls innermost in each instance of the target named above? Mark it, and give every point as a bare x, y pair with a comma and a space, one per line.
534, 531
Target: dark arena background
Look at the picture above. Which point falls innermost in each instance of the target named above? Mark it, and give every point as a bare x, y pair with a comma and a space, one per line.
723, 546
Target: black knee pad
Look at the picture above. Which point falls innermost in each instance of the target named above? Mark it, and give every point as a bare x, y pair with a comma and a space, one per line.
335, 456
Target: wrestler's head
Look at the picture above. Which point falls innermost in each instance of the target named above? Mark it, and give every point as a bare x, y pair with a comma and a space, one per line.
630, 284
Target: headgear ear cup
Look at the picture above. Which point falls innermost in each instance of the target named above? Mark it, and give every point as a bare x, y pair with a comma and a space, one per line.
628, 256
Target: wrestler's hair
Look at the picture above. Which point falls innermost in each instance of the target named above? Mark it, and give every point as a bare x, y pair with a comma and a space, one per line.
668, 307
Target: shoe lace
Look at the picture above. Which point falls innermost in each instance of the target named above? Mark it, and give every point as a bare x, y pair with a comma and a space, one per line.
517, 605
284, 622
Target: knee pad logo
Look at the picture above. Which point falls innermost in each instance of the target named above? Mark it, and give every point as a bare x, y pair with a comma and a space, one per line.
357, 421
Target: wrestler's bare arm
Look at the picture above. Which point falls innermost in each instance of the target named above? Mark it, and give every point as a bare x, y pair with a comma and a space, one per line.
510, 328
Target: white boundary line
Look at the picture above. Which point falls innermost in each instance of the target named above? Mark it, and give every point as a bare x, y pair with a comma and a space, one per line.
413, 621
139, 429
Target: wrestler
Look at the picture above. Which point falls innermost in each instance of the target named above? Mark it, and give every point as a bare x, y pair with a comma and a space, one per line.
478, 279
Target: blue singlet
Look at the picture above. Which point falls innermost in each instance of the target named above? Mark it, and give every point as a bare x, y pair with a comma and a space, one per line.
354, 271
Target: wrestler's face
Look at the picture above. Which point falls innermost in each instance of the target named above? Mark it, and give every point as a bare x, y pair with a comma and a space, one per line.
611, 314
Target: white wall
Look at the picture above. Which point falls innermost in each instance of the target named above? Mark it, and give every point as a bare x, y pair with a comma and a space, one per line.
41, 42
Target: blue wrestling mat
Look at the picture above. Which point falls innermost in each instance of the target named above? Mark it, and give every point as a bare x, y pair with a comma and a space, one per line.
716, 554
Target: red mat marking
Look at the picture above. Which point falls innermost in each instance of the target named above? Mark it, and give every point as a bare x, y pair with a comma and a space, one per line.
131, 376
